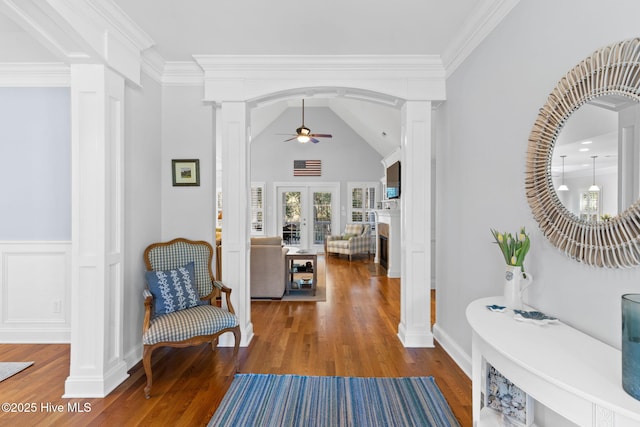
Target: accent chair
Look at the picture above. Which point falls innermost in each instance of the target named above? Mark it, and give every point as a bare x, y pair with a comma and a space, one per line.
183, 302
356, 239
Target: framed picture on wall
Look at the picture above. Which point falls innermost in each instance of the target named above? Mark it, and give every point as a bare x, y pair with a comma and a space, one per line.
185, 172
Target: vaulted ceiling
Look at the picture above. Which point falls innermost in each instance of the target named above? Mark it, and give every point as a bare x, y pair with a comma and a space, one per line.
175, 31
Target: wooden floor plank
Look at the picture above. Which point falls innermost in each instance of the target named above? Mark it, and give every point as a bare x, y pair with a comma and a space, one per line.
352, 333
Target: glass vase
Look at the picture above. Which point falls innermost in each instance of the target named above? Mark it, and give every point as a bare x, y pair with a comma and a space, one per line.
631, 344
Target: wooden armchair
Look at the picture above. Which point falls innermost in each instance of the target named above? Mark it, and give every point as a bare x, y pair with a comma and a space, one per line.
183, 302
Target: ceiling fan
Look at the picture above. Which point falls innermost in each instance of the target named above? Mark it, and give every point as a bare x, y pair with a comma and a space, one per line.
304, 135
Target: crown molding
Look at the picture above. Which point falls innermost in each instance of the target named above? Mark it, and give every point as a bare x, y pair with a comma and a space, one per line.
83, 31
485, 18
253, 77
187, 73
182, 74
152, 64
120, 21
35, 75
431, 64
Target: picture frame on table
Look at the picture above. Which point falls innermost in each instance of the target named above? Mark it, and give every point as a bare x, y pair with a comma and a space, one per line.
185, 172
514, 406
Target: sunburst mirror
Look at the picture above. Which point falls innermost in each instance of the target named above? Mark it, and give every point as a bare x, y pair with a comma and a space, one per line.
599, 239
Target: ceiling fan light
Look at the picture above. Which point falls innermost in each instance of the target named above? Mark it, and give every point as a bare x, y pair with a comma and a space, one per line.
304, 134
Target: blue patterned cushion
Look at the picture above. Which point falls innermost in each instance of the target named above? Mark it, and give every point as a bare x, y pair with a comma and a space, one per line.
173, 290
185, 324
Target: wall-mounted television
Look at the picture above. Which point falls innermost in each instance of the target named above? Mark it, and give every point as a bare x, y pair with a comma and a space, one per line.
393, 181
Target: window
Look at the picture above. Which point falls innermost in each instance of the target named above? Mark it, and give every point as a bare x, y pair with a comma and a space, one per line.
362, 203
590, 205
257, 209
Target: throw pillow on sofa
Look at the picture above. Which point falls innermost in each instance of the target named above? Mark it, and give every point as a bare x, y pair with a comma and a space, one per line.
173, 290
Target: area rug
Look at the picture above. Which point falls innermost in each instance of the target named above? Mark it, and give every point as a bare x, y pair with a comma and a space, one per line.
8, 369
291, 400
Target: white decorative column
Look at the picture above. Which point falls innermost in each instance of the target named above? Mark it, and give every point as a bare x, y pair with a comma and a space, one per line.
97, 107
415, 295
232, 118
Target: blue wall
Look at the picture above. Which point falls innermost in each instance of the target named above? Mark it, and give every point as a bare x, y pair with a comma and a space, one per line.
35, 159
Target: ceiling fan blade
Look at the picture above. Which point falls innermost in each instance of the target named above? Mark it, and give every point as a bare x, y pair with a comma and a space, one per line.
315, 141
321, 135
290, 139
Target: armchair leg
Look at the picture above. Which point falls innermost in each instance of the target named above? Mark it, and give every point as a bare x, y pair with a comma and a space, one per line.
236, 335
146, 362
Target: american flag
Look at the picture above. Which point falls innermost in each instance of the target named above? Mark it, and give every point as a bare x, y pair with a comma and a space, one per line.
307, 167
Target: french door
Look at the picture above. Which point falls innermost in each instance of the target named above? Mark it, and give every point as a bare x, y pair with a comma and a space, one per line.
306, 213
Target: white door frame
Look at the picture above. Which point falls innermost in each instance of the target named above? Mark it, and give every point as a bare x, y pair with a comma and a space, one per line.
333, 187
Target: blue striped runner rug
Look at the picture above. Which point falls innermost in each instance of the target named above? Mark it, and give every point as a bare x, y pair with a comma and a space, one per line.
292, 400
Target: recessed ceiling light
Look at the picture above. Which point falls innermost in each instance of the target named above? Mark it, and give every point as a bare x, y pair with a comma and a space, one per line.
583, 149
586, 142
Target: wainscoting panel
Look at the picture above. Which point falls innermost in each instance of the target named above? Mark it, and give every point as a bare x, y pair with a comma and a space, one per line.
35, 285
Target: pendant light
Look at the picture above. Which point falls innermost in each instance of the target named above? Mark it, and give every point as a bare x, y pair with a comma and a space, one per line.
563, 187
594, 187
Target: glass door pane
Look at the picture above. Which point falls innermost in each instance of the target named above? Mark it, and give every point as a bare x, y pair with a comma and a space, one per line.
321, 216
291, 217
306, 214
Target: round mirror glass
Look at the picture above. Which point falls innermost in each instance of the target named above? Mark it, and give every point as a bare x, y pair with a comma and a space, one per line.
595, 164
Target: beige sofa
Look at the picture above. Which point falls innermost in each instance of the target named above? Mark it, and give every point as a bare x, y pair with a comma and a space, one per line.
267, 267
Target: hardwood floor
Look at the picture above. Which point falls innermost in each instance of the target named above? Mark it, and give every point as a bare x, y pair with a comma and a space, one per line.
353, 333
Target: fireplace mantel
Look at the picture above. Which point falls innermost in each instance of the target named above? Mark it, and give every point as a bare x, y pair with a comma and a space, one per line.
391, 218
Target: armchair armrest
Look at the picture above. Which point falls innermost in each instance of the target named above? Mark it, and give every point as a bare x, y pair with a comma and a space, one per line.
220, 288
148, 307
332, 237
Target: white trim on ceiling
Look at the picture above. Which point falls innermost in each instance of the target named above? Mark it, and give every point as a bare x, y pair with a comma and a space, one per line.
486, 16
34, 75
479, 25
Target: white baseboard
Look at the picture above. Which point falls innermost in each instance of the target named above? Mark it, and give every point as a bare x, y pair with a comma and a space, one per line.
462, 359
36, 336
415, 338
87, 386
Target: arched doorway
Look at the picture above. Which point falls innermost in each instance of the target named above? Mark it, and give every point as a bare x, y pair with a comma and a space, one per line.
409, 83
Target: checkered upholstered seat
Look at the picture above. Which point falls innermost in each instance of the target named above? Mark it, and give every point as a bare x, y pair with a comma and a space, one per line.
356, 239
185, 324
200, 322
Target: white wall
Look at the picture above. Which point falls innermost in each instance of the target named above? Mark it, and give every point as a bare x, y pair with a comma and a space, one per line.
187, 133
35, 230
142, 201
492, 102
345, 158
35, 148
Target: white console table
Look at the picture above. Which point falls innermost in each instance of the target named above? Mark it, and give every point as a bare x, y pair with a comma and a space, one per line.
567, 371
